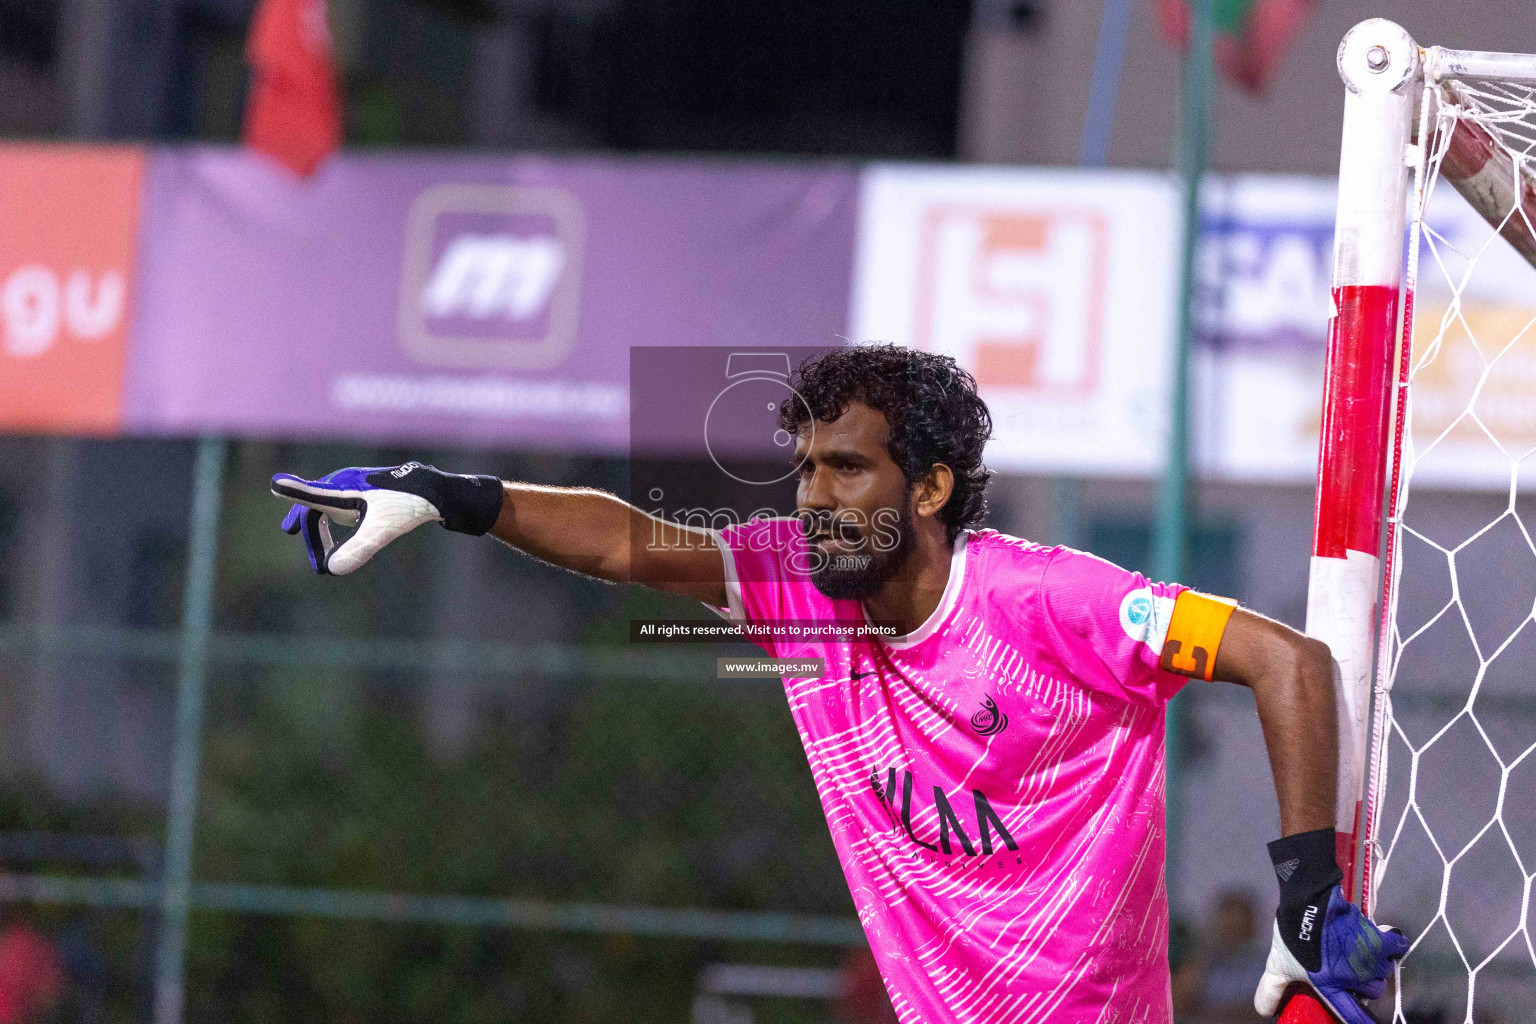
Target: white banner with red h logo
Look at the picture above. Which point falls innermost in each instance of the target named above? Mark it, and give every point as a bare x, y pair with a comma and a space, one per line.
1055, 288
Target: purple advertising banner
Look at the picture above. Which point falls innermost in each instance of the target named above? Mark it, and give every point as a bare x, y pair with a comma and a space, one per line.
480, 300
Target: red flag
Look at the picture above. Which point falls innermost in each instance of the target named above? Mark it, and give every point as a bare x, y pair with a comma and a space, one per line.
1251, 35
293, 114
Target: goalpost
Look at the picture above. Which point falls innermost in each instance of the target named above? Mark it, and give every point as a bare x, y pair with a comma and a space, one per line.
1423, 575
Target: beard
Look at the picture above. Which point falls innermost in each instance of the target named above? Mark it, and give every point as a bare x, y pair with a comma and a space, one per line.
854, 576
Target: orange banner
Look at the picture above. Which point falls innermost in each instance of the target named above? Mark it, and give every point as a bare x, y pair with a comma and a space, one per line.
69, 218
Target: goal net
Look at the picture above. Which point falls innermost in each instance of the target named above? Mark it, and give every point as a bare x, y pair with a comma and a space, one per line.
1427, 485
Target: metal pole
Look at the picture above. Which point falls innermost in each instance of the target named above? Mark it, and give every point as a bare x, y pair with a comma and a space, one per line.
181, 815
1171, 540
1067, 512
1092, 151
1108, 57
1359, 440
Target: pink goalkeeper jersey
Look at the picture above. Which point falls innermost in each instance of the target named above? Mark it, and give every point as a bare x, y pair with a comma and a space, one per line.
994, 780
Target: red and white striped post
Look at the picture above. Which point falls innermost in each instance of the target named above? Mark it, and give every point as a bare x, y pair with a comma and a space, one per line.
1382, 71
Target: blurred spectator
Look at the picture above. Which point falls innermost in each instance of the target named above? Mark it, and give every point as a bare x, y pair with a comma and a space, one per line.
87, 971
1184, 964
864, 1000
31, 974
1232, 961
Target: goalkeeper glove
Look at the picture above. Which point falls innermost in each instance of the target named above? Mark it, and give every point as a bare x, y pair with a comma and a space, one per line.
383, 503
1320, 938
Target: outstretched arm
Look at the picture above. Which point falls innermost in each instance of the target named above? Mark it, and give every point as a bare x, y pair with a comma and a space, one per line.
598, 534
580, 529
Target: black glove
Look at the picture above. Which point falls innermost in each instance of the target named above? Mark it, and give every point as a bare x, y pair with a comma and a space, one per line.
1321, 940
384, 503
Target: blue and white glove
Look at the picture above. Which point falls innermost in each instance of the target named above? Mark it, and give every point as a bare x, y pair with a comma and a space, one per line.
383, 503
1321, 939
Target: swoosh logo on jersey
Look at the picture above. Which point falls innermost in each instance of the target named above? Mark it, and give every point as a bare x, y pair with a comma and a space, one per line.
989, 721
856, 676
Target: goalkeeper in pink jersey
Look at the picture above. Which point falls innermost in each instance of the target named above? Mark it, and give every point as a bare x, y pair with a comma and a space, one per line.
992, 774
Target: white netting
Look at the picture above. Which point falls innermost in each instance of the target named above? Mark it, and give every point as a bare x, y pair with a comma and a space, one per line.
1488, 155
1454, 784
1501, 108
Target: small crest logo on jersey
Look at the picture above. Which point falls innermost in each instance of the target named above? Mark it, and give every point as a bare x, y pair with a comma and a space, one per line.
989, 721
1139, 610
1144, 616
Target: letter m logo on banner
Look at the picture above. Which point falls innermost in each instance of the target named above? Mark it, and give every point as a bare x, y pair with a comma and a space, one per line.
485, 275
492, 277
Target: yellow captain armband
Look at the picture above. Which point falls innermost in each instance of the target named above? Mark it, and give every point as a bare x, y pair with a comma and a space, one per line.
1194, 634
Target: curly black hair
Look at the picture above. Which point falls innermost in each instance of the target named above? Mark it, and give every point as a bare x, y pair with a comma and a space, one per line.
929, 403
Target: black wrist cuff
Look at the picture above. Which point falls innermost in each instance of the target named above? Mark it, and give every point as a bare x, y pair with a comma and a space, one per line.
1306, 865
473, 505
468, 504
